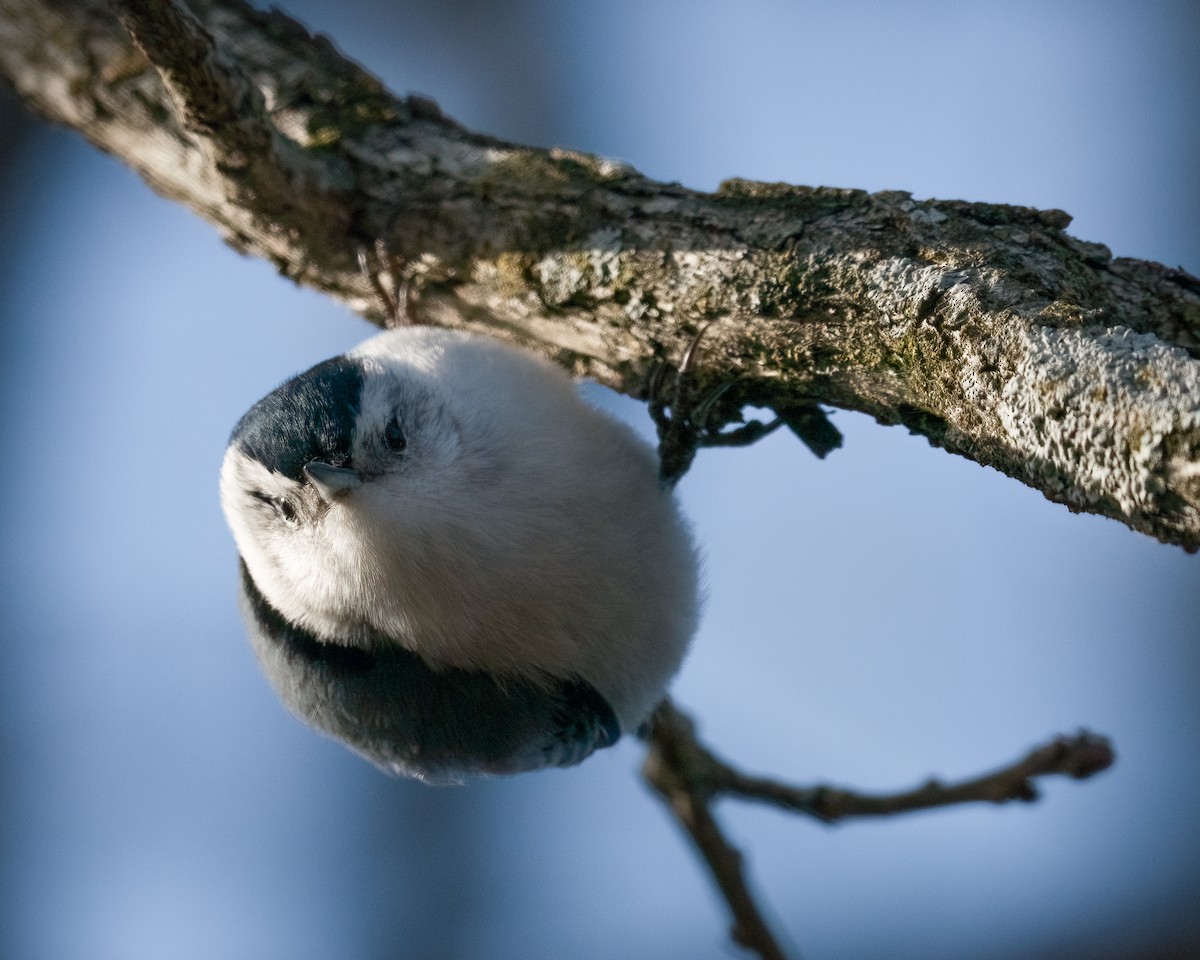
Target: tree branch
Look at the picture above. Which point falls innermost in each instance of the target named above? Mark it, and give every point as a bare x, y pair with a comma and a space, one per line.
220, 108
210, 96
689, 778
681, 772
985, 328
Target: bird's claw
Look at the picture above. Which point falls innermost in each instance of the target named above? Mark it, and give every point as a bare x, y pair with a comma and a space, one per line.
687, 427
377, 263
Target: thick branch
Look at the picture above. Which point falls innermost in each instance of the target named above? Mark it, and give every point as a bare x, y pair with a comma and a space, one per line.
210, 96
985, 328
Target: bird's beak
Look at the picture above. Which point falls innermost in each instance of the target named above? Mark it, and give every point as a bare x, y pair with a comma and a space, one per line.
332, 483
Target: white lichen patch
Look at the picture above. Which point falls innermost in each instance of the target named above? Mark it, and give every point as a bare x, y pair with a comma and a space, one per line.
560, 278
591, 270
1109, 415
901, 289
924, 213
602, 248
894, 283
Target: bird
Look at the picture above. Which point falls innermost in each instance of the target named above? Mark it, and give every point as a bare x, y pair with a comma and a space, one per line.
452, 562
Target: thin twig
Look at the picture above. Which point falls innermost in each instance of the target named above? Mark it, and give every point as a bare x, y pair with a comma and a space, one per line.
1078, 757
689, 777
680, 770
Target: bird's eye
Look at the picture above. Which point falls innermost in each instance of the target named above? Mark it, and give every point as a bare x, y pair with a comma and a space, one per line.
394, 437
281, 505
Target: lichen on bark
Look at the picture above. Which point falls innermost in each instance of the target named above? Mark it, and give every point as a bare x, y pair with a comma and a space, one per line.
986, 328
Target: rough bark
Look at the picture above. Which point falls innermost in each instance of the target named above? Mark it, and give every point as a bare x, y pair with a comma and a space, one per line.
986, 328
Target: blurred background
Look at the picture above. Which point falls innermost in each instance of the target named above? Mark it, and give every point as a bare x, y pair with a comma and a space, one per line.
888, 614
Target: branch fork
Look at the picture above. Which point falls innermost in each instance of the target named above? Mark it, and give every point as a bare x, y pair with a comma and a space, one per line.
689, 778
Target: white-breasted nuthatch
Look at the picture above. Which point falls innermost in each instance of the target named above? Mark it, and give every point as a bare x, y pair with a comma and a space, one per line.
453, 563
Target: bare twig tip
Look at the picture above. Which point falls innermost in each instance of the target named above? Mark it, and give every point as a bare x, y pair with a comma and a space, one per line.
1086, 754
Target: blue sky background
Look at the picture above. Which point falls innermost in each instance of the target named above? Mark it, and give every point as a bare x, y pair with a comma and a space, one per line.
887, 614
